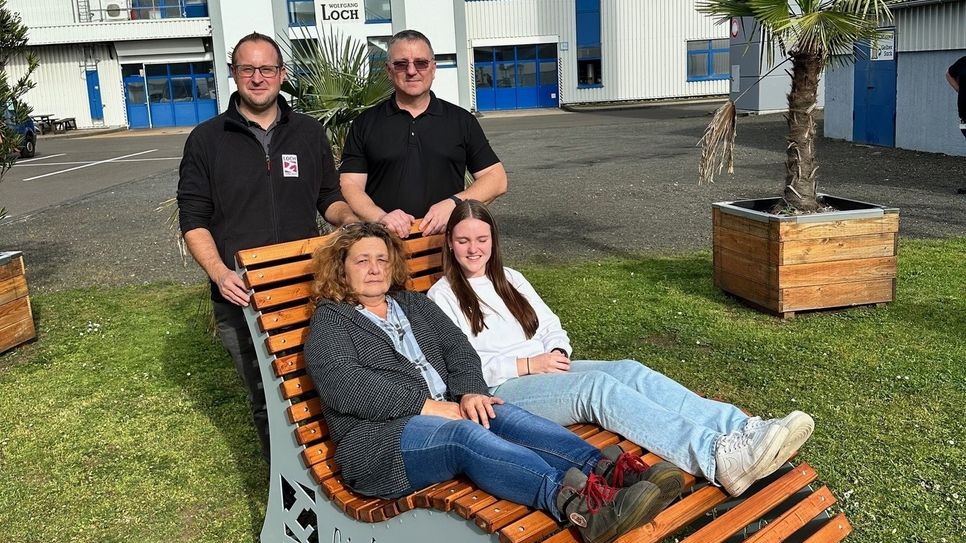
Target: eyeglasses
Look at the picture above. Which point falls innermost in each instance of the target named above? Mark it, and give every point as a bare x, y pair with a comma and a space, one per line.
421, 65
247, 70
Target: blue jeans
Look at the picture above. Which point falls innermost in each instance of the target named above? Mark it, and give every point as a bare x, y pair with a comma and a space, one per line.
521, 458
635, 401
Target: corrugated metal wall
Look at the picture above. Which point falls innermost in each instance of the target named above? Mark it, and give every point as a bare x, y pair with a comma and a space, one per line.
643, 43
61, 88
926, 118
43, 12
934, 27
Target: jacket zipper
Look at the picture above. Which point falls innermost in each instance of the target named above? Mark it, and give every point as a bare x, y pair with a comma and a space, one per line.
271, 189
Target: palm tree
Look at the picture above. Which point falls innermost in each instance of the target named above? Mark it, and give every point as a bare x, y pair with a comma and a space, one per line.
812, 34
330, 79
13, 43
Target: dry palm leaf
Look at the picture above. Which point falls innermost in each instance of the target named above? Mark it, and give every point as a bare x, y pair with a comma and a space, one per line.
718, 144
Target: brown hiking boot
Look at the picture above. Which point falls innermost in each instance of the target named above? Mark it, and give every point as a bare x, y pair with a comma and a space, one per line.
620, 469
603, 513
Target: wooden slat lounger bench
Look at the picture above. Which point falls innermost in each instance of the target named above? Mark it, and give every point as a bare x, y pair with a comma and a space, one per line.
308, 501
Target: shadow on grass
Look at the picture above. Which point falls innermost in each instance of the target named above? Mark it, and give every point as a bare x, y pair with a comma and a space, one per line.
216, 392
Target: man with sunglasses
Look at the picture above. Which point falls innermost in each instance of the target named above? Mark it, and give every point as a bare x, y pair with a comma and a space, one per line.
406, 158
255, 175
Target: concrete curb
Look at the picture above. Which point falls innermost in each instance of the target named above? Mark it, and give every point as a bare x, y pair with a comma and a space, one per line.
82, 133
610, 106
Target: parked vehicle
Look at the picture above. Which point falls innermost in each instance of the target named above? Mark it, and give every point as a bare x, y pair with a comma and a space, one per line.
27, 131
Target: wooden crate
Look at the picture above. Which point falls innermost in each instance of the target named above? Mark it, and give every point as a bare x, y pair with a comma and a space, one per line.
820, 261
16, 318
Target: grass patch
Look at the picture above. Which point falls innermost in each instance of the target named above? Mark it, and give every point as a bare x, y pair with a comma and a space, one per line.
125, 422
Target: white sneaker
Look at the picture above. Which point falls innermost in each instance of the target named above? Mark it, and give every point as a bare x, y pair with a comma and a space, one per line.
744, 457
799, 425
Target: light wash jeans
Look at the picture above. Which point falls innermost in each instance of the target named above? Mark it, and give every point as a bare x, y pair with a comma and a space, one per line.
521, 458
634, 401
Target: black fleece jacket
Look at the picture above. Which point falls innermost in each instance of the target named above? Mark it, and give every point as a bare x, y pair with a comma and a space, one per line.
245, 198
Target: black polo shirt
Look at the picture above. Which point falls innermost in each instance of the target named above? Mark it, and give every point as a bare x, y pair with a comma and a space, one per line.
413, 163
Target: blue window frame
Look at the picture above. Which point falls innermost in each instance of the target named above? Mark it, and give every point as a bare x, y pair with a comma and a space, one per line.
588, 44
708, 59
168, 9
301, 13
378, 11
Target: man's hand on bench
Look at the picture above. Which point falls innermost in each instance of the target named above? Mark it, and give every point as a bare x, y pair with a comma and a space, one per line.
232, 287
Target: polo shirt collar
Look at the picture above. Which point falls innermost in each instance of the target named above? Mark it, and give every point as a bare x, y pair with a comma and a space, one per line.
435, 106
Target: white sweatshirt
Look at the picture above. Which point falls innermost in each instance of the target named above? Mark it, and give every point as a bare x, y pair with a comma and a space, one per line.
502, 341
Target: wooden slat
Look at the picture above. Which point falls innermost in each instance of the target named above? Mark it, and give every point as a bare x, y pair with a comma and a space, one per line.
12, 269
432, 261
390, 510
832, 249
374, 511
652, 459
796, 517
742, 224
584, 431
630, 447
283, 318
498, 515
347, 500
444, 499
305, 410
743, 265
311, 432
754, 507
283, 272
296, 386
331, 486
837, 295
569, 535
285, 365
757, 248
833, 531
423, 283
361, 508
682, 513
425, 499
16, 333
529, 529
423, 244
266, 299
603, 439
14, 312
287, 340
279, 251
824, 273
324, 470
888, 223
319, 452
746, 288
13, 288
408, 502
468, 505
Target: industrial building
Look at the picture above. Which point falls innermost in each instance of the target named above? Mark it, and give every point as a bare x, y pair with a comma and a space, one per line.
157, 63
896, 94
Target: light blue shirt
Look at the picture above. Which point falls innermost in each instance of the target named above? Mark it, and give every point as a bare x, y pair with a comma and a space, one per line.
396, 325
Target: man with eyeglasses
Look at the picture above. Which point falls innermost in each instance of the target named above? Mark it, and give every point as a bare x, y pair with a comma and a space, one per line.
255, 175
406, 158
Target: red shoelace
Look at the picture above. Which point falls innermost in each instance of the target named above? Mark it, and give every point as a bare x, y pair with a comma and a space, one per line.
627, 462
598, 493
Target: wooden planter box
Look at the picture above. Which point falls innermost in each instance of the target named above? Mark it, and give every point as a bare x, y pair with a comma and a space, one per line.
819, 261
16, 318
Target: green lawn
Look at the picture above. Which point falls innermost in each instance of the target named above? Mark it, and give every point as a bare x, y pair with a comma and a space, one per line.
125, 422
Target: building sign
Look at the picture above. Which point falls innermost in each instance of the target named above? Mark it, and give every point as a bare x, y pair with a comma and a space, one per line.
885, 47
341, 12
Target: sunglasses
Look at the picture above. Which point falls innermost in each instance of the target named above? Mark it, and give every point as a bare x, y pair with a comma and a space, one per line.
421, 65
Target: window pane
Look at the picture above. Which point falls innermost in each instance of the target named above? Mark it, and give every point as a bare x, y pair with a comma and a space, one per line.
181, 68
721, 64
723, 43
127, 70
504, 53
301, 12
526, 52
181, 87
378, 51
158, 90
588, 72
199, 68
484, 76
206, 87
135, 93
698, 65
590, 52
527, 73
484, 54
547, 50
446, 60
548, 73
504, 75
378, 10
699, 45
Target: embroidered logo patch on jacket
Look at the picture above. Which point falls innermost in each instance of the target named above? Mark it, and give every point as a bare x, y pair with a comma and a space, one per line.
290, 165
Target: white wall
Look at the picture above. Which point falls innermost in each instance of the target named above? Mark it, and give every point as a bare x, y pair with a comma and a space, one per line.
43, 12
61, 88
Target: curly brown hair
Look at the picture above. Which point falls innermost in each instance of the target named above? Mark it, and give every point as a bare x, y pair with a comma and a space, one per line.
329, 262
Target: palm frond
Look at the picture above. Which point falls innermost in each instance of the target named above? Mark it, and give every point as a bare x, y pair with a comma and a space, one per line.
718, 144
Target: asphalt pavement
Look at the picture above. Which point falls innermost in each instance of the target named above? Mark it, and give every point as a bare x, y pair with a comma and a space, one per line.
582, 186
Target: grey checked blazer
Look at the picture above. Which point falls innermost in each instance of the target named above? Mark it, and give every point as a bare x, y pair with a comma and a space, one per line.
369, 391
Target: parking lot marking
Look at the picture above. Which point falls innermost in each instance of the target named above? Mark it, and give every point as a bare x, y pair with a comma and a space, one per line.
89, 165
76, 162
39, 158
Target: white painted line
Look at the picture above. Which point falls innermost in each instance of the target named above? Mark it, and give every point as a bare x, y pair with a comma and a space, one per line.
88, 165
92, 161
38, 158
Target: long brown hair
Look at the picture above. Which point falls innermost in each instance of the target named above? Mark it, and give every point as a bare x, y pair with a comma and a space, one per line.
469, 302
329, 262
